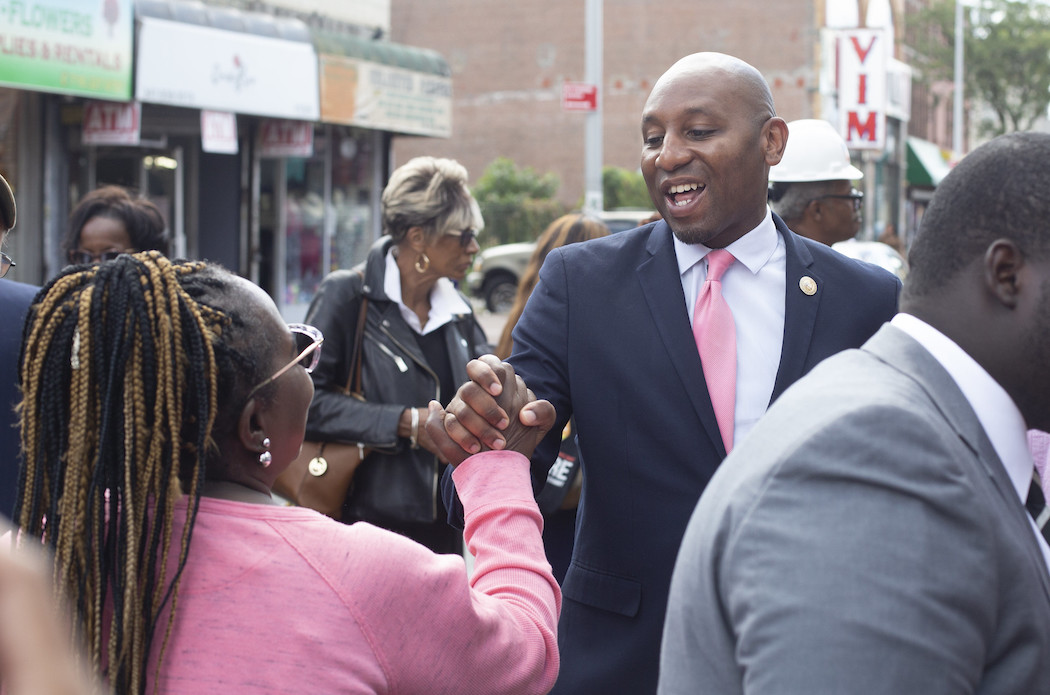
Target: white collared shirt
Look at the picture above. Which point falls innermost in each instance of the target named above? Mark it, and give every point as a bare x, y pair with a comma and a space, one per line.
754, 288
445, 301
996, 411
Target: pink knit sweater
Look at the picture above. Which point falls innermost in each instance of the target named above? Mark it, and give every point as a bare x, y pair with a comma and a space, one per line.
282, 600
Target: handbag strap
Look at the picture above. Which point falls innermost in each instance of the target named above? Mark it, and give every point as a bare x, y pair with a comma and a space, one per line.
353, 379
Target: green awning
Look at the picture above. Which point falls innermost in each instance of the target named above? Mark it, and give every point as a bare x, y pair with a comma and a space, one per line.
377, 51
928, 164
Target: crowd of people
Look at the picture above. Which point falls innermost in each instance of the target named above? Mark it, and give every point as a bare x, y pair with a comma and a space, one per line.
710, 454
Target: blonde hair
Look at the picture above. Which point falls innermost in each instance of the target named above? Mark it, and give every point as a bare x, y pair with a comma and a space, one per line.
431, 193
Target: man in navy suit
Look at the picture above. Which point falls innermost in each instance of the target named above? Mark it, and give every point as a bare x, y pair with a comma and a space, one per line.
15, 298
607, 337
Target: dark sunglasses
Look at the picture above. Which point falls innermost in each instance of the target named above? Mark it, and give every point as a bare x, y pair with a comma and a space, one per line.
856, 196
465, 236
82, 257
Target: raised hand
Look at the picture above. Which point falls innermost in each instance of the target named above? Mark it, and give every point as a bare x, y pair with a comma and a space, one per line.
495, 410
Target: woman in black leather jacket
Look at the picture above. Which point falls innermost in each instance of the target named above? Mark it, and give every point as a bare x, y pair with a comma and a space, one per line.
420, 333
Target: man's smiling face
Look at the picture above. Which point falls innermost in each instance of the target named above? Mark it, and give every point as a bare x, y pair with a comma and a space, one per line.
708, 140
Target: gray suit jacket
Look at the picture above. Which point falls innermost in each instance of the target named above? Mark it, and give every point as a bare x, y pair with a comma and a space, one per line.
864, 538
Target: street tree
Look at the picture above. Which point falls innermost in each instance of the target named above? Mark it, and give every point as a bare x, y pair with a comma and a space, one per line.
624, 189
1007, 57
516, 202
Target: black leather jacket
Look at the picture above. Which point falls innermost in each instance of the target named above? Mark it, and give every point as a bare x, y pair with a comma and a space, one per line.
395, 483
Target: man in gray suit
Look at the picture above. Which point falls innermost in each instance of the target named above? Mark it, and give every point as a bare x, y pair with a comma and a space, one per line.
870, 535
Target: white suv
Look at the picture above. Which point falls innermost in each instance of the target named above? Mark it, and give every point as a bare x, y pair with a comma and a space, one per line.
497, 269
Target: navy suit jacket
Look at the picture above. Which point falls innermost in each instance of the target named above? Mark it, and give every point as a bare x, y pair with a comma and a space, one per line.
606, 337
15, 298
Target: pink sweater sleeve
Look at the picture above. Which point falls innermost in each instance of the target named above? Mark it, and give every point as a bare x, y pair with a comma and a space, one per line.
497, 634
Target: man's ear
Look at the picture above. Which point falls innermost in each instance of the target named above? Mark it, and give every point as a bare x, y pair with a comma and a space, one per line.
1004, 265
815, 207
774, 139
251, 426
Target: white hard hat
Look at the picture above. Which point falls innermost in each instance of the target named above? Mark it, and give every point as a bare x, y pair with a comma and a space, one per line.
814, 152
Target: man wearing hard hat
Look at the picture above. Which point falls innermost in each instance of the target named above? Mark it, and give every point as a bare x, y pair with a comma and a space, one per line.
811, 188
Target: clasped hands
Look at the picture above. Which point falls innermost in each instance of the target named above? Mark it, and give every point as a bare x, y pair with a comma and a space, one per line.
494, 410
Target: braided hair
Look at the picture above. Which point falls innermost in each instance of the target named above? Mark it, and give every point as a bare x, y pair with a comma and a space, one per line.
129, 371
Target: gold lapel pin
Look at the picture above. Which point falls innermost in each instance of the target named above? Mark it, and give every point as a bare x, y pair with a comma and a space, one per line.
808, 285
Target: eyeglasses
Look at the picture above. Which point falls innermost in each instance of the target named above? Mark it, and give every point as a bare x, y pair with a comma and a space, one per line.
856, 196
84, 257
465, 236
6, 263
308, 351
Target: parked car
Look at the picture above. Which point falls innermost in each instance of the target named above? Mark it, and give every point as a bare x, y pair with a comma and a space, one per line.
494, 276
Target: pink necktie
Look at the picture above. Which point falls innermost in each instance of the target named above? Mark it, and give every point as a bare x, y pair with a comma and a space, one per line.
715, 335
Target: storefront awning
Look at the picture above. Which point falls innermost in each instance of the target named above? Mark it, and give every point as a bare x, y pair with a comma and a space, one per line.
224, 59
928, 164
383, 85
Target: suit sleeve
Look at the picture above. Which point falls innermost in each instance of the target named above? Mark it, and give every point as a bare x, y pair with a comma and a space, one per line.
540, 358
862, 565
541, 354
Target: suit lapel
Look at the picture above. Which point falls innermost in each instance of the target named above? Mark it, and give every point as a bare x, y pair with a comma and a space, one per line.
898, 349
800, 309
662, 288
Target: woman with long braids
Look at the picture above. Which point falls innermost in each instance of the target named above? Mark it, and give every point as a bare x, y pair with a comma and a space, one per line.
161, 400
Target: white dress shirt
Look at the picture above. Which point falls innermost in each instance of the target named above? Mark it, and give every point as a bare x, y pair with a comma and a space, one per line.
996, 411
445, 300
754, 288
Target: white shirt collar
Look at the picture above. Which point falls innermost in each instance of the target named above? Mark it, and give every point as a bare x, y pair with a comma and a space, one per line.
996, 411
445, 301
753, 249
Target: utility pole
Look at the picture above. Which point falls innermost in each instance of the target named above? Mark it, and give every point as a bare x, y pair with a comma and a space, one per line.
957, 110
592, 173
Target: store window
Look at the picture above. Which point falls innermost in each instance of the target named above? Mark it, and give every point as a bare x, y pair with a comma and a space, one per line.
352, 189
329, 198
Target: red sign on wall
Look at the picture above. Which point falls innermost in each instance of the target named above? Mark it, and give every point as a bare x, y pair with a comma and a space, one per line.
111, 123
284, 138
577, 96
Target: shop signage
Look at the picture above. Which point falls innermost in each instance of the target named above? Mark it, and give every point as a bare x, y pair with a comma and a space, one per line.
111, 123
579, 97
382, 97
284, 138
219, 132
207, 68
67, 47
862, 56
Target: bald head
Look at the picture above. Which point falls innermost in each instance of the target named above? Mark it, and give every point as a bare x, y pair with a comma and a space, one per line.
747, 83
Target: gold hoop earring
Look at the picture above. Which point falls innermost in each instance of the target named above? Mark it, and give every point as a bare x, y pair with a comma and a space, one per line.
422, 263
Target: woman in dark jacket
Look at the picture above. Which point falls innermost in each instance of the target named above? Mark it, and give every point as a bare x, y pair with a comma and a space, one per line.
420, 333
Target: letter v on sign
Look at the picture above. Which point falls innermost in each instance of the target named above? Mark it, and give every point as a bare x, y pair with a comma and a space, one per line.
862, 53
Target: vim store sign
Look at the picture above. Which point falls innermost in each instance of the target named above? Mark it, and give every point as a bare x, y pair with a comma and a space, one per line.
862, 61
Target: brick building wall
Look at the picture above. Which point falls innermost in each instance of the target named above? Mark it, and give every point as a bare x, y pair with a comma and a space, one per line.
510, 58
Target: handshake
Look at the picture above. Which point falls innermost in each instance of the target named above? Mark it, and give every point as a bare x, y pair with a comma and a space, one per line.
494, 410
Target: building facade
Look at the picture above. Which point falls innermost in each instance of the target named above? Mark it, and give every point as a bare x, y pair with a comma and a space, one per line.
510, 60
261, 131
